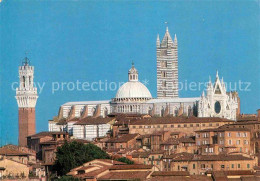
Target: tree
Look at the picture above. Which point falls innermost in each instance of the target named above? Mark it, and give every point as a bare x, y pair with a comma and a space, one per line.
125, 160
74, 154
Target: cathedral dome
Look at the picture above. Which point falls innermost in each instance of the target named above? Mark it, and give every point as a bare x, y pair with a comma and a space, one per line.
133, 89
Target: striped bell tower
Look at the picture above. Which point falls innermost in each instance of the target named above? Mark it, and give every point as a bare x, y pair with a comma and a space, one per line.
167, 66
26, 96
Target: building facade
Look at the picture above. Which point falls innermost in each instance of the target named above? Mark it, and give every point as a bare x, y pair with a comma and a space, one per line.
26, 96
218, 102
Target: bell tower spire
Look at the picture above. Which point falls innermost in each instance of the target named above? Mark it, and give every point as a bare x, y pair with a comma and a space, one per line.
167, 66
26, 96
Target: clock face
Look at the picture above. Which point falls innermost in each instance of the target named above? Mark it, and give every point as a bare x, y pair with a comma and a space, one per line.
217, 107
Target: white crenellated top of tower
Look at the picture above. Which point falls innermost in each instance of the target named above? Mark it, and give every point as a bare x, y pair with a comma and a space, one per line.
26, 93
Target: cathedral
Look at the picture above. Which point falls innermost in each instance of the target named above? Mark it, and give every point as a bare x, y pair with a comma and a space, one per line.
133, 97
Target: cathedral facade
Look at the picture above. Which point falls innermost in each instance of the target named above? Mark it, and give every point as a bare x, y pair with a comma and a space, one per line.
218, 102
133, 97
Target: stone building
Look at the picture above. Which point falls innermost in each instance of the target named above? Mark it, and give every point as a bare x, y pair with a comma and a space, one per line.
167, 66
223, 140
218, 102
200, 164
134, 97
11, 169
26, 96
187, 125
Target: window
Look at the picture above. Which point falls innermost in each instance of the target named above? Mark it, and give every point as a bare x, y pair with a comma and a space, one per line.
238, 142
230, 142
202, 165
163, 83
229, 134
248, 165
172, 126
211, 150
144, 162
238, 134
221, 142
191, 125
197, 135
210, 124
198, 125
222, 166
133, 126
165, 126
163, 64
217, 124
163, 74
179, 126
194, 166
203, 125
157, 162
232, 165
238, 165
212, 166
185, 125
140, 126
158, 126
198, 142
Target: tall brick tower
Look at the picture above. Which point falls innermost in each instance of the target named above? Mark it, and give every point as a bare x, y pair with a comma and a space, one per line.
167, 66
26, 96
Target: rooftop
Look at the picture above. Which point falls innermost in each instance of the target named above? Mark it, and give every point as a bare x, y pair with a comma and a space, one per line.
172, 120
86, 103
122, 139
94, 121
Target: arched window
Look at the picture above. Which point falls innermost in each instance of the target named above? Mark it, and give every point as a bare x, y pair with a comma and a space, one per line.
23, 81
30, 80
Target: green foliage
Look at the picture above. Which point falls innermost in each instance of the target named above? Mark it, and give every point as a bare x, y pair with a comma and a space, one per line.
125, 160
67, 178
74, 154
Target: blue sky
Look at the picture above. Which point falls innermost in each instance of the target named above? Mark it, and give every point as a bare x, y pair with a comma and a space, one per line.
91, 41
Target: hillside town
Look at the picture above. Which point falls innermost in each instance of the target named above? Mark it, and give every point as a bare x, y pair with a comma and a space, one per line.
204, 138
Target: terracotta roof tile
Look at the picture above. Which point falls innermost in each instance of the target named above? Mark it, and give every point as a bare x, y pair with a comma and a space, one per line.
94, 121
126, 175
11, 152
170, 173
46, 133
130, 167
122, 139
172, 120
